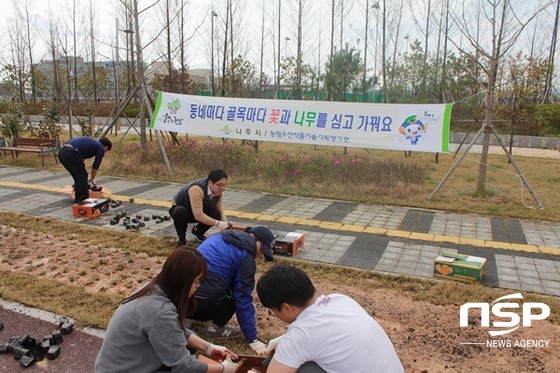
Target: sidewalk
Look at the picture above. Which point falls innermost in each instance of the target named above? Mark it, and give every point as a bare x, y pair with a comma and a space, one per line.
522, 255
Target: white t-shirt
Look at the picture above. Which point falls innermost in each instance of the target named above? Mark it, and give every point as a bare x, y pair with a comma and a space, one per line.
340, 336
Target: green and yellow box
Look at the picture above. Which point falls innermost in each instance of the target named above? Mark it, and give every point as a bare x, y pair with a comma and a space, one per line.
459, 267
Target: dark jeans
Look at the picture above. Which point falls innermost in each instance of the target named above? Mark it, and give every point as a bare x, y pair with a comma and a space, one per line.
75, 165
182, 216
219, 311
310, 367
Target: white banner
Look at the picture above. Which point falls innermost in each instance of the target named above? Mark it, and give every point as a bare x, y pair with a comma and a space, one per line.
423, 127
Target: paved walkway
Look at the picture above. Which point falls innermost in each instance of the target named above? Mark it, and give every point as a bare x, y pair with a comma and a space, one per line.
522, 255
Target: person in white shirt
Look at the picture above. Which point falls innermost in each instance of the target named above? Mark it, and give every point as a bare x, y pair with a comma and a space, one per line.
326, 333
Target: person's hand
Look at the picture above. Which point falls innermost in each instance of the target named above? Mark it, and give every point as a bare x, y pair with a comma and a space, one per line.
273, 343
258, 347
229, 366
217, 352
222, 225
91, 184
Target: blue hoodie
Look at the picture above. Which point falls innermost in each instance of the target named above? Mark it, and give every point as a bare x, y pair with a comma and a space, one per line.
231, 270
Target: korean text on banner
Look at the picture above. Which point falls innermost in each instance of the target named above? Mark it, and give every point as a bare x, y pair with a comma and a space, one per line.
418, 127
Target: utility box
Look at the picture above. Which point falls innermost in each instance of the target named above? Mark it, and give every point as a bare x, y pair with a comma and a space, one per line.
288, 243
90, 208
459, 267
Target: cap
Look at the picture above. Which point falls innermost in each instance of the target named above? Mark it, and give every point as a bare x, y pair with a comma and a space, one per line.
267, 239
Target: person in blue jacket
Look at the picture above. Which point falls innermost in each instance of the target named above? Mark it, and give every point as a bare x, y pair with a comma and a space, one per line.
72, 155
231, 257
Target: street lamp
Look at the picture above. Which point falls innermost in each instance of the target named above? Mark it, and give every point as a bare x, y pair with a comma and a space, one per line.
406, 38
214, 14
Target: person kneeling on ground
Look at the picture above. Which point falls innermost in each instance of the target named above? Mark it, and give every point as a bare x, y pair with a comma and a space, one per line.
200, 201
147, 333
327, 333
228, 288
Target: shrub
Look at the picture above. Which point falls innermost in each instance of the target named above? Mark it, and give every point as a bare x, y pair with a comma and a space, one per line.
15, 122
274, 171
548, 115
48, 127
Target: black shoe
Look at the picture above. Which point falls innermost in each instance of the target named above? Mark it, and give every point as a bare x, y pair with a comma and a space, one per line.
80, 202
199, 236
181, 243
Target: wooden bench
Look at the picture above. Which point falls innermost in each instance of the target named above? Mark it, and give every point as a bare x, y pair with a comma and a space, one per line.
31, 145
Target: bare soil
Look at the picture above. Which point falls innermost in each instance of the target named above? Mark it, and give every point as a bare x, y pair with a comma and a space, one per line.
427, 337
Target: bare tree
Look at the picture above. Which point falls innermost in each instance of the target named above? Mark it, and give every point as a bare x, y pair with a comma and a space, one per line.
92, 36
504, 21
277, 93
56, 91
225, 57
27, 4
551, 55
18, 70
391, 22
261, 64
74, 18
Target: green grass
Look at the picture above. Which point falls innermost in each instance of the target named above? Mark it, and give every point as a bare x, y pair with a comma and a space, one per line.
363, 175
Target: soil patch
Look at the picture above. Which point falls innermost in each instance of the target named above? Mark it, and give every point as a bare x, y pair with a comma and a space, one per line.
427, 337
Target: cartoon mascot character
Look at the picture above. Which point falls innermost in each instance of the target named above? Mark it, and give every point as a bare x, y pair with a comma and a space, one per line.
412, 129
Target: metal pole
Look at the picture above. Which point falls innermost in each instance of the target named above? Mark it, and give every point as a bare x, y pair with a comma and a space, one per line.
365, 54
212, 59
117, 71
158, 137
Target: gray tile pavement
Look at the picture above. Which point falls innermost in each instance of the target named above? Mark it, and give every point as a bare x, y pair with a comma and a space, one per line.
335, 232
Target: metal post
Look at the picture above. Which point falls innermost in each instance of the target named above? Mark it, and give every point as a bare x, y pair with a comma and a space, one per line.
212, 58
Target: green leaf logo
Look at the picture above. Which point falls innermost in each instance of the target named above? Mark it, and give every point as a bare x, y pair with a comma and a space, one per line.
174, 106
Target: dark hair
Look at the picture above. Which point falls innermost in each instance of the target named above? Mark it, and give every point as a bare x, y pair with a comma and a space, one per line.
106, 142
285, 284
179, 271
217, 175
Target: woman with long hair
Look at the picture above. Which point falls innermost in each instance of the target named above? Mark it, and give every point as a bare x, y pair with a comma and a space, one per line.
147, 333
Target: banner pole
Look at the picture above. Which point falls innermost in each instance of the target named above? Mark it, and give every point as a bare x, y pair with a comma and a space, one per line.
158, 137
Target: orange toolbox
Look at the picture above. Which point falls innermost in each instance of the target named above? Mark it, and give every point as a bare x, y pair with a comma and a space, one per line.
90, 208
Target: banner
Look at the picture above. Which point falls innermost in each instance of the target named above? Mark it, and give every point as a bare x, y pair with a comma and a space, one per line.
423, 127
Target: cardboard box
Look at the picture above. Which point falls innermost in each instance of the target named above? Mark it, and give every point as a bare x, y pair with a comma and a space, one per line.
459, 267
90, 208
288, 243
